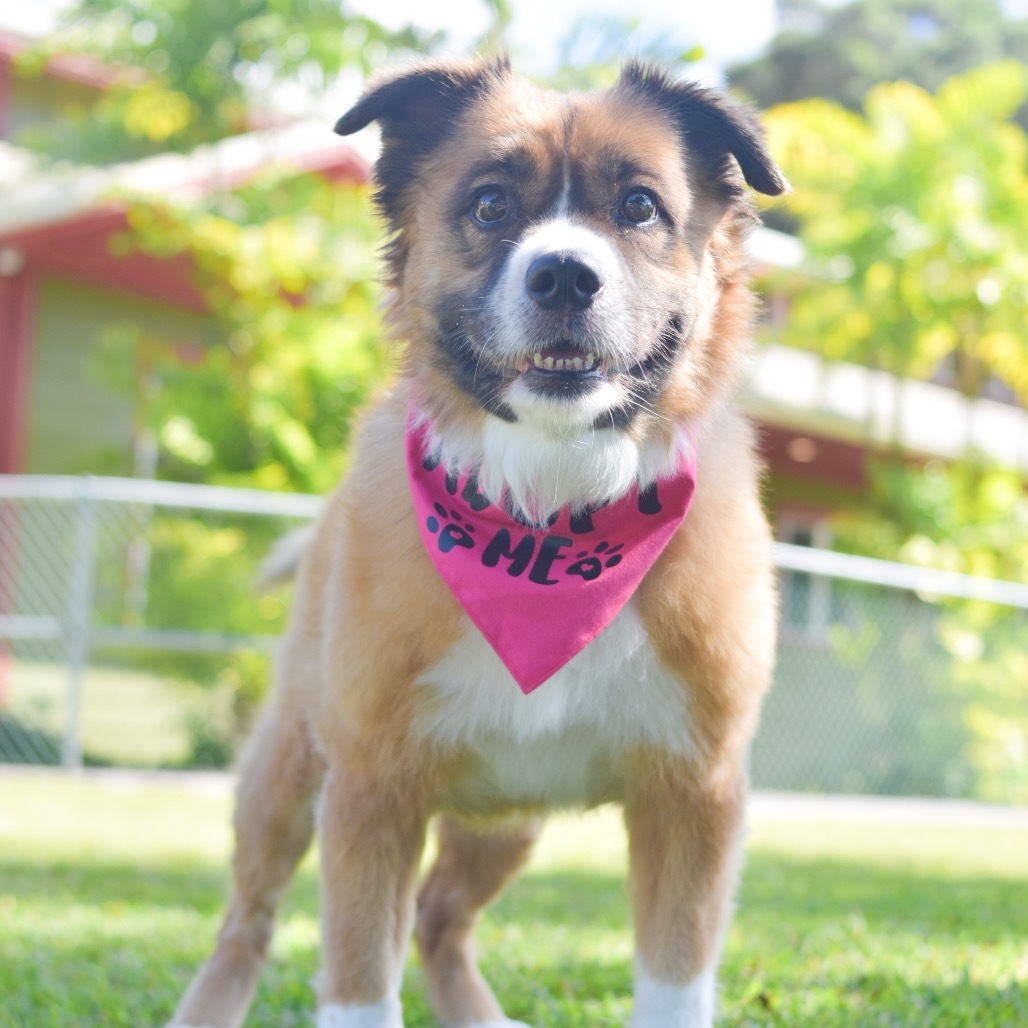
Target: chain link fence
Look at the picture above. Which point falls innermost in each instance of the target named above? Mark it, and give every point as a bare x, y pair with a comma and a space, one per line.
895, 680
130, 635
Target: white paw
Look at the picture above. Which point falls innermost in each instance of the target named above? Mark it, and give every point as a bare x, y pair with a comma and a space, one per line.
386, 1013
499, 1024
658, 1005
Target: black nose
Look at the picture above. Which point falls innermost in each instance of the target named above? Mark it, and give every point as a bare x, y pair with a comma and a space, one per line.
559, 281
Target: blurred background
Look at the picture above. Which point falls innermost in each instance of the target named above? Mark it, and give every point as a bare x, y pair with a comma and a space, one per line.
189, 319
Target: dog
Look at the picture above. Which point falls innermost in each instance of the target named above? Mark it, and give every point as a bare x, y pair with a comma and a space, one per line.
546, 579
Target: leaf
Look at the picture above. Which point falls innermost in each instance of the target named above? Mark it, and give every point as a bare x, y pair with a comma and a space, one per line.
993, 92
923, 209
903, 115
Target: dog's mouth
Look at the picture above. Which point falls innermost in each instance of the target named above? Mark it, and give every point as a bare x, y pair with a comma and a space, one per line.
563, 360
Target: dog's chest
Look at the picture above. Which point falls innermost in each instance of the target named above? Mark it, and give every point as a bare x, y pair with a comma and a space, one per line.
565, 743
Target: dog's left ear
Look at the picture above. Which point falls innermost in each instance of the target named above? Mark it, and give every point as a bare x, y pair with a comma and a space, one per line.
713, 126
417, 110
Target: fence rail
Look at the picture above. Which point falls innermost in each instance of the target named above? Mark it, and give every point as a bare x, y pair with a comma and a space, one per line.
130, 635
898, 576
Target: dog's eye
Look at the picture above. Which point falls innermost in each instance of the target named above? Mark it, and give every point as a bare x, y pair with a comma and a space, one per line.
490, 205
639, 207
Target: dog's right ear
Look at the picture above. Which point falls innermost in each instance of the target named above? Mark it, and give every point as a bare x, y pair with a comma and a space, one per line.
416, 111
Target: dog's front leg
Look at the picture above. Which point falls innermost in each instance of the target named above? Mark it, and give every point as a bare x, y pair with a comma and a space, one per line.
371, 836
684, 828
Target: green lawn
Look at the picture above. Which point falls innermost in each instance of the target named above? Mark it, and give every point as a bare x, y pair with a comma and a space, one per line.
130, 717
110, 894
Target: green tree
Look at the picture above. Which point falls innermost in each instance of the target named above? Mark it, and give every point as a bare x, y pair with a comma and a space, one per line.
914, 215
194, 72
288, 266
839, 51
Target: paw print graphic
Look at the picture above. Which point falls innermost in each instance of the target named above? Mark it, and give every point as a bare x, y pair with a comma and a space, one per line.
591, 565
456, 533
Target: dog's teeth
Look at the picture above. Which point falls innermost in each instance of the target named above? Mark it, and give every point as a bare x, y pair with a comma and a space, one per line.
585, 363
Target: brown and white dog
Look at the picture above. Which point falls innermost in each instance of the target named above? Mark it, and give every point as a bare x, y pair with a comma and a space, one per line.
569, 286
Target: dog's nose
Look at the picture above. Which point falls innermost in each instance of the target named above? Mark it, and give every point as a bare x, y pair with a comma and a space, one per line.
560, 281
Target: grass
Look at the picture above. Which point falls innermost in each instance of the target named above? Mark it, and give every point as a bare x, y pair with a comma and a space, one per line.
110, 894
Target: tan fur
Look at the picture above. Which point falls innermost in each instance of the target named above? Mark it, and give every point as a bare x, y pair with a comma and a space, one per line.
372, 616
471, 869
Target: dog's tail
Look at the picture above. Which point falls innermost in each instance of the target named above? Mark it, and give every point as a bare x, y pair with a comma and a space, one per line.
283, 560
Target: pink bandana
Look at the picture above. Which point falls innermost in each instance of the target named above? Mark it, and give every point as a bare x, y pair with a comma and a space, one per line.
540, 596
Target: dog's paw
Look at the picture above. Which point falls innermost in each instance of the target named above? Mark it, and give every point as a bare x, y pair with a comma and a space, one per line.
499, 1024
384, 1014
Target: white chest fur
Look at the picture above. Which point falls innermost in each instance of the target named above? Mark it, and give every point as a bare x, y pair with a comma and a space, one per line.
562, 744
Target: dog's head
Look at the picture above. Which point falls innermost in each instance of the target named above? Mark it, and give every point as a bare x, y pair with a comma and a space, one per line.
568, 270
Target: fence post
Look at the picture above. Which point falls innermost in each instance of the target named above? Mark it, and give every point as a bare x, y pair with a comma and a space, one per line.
79, 624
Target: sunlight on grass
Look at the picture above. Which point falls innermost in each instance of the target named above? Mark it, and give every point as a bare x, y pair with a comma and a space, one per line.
129, 717
111, 889
46, 815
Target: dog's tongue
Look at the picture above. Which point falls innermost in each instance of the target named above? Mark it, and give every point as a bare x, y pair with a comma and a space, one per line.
540, 596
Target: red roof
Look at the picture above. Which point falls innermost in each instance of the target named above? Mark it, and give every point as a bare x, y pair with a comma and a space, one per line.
76, 244
79, 68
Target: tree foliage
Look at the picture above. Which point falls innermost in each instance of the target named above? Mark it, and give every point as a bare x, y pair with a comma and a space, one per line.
195, 71
287, 265
840, 51
914, 215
